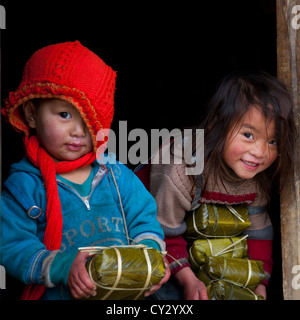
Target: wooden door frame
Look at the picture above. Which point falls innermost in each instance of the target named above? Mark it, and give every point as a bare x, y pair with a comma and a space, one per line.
288, 71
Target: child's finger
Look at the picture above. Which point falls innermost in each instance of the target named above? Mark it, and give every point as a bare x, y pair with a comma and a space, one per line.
83, 291
152, 290
77, 293
203, 292
86, 281
167, 273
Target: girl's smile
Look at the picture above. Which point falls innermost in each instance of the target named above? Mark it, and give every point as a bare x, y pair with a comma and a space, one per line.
250, 146
250, 165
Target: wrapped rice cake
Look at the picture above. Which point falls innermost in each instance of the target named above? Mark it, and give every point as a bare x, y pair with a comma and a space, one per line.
125, 272
235, 247
224, 290
211, 220
243, 272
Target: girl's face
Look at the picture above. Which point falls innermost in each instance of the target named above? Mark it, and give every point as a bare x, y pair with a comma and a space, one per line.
250, 146
61, 130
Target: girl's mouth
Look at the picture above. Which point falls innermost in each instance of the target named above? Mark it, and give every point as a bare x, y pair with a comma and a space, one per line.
250, 165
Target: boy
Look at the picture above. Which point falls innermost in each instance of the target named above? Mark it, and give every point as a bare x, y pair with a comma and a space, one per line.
60, 198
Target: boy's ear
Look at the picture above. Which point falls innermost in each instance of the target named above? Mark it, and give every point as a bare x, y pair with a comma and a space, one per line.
30, 113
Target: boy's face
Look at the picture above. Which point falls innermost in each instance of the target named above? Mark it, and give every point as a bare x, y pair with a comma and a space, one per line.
251, 147
60, 129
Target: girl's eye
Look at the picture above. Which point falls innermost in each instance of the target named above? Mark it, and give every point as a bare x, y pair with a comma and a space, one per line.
249, 135
65, 115
273, 142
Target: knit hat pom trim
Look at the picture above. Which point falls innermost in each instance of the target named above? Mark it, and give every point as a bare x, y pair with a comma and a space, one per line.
50, 90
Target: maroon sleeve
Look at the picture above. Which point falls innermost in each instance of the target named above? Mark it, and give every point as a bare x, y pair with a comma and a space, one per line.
177, 253
262, 250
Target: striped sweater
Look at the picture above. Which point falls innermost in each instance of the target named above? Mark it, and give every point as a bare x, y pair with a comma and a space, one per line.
176, 193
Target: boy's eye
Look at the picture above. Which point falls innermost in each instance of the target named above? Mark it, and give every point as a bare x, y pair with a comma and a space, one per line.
65, 115
248, 135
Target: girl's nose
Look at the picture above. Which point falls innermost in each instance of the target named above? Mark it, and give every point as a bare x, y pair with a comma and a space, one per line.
259, 149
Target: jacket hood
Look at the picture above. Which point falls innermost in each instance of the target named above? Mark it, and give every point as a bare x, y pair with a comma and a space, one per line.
26, 166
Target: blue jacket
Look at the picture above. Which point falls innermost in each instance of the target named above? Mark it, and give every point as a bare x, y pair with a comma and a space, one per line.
92, 220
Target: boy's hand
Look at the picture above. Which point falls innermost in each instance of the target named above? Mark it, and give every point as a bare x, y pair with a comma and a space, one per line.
157, 286
79, 282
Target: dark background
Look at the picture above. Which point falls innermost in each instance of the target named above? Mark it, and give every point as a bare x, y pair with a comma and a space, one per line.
169, 56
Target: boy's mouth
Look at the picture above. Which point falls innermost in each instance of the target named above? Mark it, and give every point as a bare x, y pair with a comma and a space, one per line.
74, 146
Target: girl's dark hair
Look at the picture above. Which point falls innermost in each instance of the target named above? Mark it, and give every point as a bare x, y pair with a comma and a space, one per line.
234, 96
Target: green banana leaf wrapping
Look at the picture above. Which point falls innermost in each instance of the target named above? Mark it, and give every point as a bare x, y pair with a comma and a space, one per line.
211, 220
243, 272
224, 247
125, 272
224, 290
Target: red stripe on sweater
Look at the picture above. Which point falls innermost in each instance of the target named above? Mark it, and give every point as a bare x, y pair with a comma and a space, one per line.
227, 198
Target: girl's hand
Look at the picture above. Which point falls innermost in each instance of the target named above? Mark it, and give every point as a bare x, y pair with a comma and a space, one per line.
262, 290
79, 282
157, 286
194, 289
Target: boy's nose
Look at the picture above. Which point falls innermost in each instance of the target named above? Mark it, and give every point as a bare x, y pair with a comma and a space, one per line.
78, 128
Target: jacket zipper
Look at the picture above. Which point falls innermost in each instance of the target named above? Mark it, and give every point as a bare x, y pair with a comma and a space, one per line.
85, 200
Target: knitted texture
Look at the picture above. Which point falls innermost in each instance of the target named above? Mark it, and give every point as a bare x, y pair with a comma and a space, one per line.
71, 72
53, 233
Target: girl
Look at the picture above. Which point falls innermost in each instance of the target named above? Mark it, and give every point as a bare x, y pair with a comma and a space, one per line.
248, 142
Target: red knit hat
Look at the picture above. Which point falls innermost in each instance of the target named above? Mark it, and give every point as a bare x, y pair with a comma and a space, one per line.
71, 72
